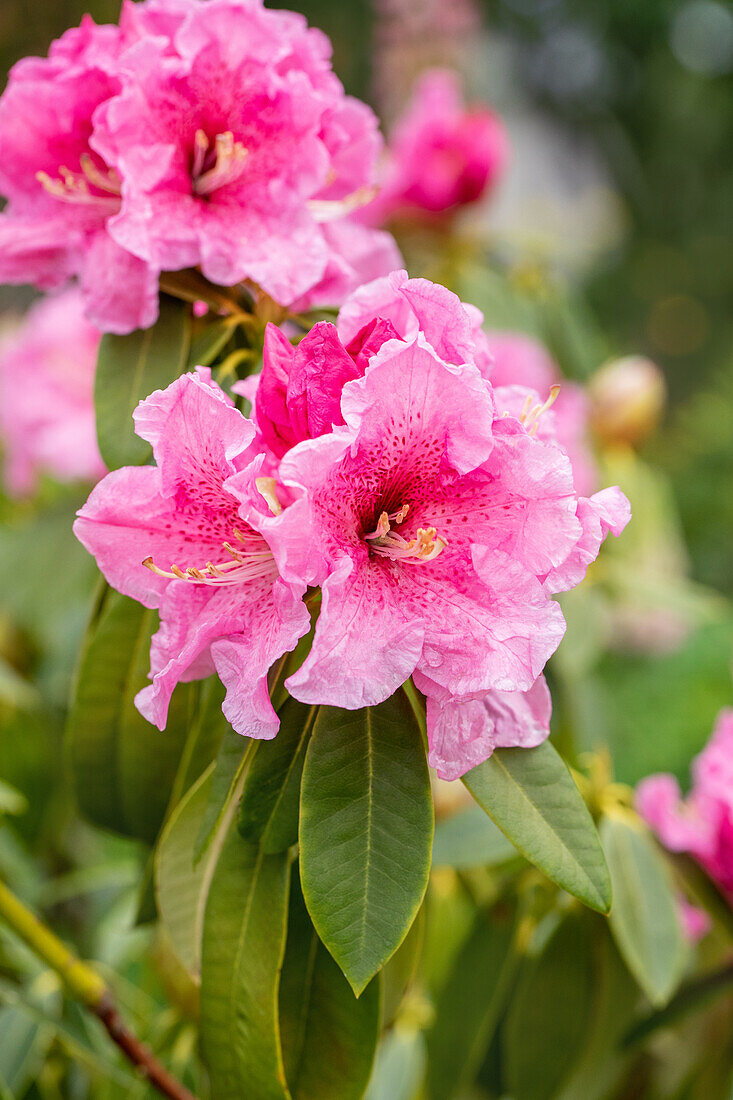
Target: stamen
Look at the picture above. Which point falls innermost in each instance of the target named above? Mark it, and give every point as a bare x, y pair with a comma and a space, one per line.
225, 162
245, 565
328, 210
73, 187
426, 545
531, 414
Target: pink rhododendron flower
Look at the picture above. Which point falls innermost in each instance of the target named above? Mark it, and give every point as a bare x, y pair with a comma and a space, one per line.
702, 823
185, 536
46, 395
442, 155
520, 364
465, 731
437, 527
235, 151
60, 192
209, 133
299, 392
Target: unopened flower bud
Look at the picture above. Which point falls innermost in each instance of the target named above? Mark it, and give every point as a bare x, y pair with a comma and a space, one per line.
627, 399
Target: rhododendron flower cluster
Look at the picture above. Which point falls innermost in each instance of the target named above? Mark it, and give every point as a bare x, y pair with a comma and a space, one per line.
193, 134
442, 154
379, 466
46, 395
702, 823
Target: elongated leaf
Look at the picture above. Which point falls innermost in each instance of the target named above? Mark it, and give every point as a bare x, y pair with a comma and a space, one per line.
689, 998
181, 888
243, 947
399, 1066
399, 972
366, 832
549, 1015
271, 796
210, 342
531, 796
470, 839
329, 1037
603, 1064
227, 780
123, 767
130, 368
644, 918
470, 1003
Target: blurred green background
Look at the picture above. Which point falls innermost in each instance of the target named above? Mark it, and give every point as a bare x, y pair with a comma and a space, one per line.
612, 234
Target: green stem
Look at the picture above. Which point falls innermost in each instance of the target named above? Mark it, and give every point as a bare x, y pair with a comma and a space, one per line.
87, 986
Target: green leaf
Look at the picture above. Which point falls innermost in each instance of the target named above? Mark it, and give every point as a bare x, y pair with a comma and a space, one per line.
329, 1037
400, 972
470, 839
243, 947
130, 368
123, 767
470, 1004
691, 997
399, 1066
11, 801
549, 1016
206, 347
181, 889
603, 1064
271, 796
366, 832
531, 796
227, 780
644, 918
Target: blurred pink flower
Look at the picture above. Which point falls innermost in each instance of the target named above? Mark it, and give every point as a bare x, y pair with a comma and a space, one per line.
442, 155
211, 134
702, 823
47, 421
185, 536
60, 192
521, 363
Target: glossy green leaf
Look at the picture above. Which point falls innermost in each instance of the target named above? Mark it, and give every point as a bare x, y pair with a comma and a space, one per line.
548, 1021
243, 946
328, 1036
271, 796
531, 796
366, 832
130, 368
470, 839
123, 767
644, 918
470, 1004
